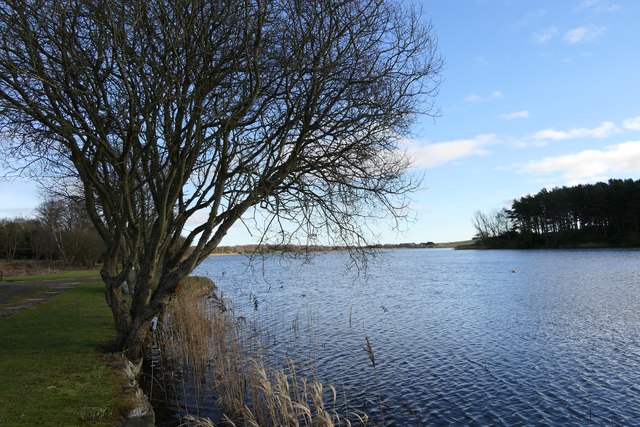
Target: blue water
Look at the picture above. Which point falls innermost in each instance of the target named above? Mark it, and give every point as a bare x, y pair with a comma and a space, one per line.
459, 337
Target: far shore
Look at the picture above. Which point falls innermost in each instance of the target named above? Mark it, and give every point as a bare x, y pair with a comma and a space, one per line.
271, 249
585, 245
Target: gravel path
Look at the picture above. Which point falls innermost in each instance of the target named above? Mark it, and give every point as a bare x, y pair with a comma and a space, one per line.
15, 291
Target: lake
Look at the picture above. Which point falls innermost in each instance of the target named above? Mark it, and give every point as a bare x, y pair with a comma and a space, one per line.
458, 337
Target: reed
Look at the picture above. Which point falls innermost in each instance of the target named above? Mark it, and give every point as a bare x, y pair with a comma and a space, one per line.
224, 357
369, 351
185, 336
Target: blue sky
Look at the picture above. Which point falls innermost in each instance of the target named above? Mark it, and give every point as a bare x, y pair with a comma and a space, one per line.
535, 94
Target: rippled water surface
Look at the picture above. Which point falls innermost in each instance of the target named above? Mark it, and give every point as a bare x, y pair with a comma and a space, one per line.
459, 337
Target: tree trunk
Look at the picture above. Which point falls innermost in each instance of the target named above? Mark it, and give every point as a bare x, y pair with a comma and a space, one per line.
137, 339
121, 315
132, 319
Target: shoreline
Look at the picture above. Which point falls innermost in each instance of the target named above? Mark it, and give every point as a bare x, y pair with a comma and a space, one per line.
586, 245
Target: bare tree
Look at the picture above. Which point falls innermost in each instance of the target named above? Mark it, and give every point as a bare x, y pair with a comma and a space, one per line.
493, 224
11, 237
67, 226
51, 214
165, 109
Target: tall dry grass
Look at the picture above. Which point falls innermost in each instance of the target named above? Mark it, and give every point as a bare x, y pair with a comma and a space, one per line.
223, 356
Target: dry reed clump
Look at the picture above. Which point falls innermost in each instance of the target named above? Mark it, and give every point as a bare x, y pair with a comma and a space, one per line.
183, 339
211, 347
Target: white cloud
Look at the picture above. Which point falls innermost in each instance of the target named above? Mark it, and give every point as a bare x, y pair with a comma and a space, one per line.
515, 115
590, 165
604, 130
480, 61
496, 94
586, 4
543, 36
632, 124
598, 6
437, 154
583, 34
529, 18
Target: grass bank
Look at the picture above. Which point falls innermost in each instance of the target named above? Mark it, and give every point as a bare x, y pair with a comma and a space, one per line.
53, 369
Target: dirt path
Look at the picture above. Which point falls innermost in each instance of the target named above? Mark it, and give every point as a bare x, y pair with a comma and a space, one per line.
16, 296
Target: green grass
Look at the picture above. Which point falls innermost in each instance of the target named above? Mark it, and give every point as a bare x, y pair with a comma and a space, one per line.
455, 244
71, 274
52, 367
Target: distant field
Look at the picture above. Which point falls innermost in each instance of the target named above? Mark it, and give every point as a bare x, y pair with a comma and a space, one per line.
454, 244
70, 274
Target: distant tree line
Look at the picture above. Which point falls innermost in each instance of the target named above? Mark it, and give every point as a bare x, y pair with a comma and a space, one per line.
60, 231
603, 213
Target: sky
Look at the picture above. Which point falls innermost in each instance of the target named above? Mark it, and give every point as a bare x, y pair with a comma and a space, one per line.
535, 94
